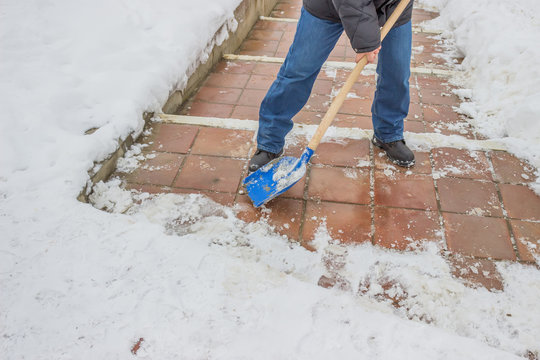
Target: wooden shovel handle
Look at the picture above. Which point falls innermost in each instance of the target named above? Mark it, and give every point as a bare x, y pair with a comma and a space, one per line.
342, 95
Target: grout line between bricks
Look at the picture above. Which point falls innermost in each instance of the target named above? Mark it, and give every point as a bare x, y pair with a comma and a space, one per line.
304, 206
438, 200
347, 65
372, 189
185, 157
245, 170
426, 140
505, 213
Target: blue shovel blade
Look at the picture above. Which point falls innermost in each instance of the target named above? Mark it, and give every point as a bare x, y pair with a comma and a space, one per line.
276, 177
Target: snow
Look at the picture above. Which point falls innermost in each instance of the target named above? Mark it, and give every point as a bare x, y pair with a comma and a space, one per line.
180, 271
501, 68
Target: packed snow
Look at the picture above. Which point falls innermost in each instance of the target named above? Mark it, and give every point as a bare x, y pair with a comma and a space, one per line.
180, 271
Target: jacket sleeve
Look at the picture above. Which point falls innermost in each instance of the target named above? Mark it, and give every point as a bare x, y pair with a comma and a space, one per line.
361, 24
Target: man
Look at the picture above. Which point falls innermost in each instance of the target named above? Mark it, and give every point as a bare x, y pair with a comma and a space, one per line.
320, 25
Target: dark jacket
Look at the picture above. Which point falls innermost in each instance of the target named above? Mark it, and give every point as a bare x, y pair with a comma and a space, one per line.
361, 19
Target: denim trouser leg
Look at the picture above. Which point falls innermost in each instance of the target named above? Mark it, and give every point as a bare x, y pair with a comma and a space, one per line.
314, 40
391, 103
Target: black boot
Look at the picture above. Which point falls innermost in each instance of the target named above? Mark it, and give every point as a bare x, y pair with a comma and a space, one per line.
262, 158
397, 152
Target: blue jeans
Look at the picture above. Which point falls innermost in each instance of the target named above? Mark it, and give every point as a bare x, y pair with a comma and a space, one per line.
314, 40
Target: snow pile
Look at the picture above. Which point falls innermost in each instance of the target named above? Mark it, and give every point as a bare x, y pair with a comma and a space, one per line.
502, 64
242, 283
182, 272
71, 66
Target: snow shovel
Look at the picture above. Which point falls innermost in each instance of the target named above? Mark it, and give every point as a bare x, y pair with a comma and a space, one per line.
279, 175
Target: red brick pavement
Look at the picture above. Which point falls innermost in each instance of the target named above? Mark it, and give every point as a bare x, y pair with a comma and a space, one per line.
476, 204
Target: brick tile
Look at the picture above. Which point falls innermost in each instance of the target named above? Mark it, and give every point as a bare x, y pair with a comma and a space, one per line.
282, 213
527, 235
478, 236
199, 108
272, 25
318, 102
148, 188
323, 87
433, 49
461, 163
227, 80
286, 13
335, 58
346, 152
296, 147
423, 39
426, 59
432, 83
356, 106
440, 113
283, 48
416, 112
288, 5
266, 69
218, 95
353, 121
288, 36
476, 272
172, 137
509, 169
259, 53
520, 202
297, 190
363, 90
334, 281
280, 53
259, 34
343, 40
469, 196
402, 190
350, 54
234, 67
225, 199
415, 95
210, 173
223, 142
261, 82
348, 223
259, 45
414, 126
438, 97
244, 112
422, 163
251, 97
461, 128
160, 170
402, 228
338, 51
426, 14
338, 184
308, 117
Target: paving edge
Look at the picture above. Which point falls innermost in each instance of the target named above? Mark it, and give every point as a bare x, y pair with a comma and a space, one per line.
246, 14
347, 65
422, 140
